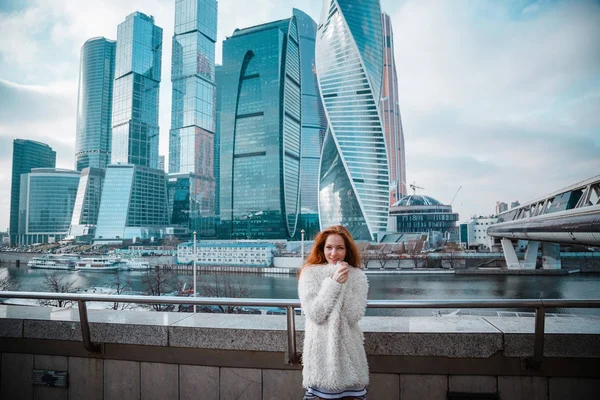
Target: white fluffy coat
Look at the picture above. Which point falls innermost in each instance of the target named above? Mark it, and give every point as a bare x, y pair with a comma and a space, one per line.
334, 356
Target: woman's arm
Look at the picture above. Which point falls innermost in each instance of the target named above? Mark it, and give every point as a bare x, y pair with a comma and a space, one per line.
318, 298
355, 298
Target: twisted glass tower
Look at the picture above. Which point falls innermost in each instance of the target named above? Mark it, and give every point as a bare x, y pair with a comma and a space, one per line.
353, 176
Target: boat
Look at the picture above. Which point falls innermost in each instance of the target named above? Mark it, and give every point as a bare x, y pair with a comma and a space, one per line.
97, 264
133, 264
52, 262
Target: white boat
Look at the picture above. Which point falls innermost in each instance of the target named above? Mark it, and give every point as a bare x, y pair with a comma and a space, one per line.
49, 261
97, 264
134, 264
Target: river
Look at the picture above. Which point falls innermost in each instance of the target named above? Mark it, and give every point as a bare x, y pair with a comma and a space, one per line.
381, 287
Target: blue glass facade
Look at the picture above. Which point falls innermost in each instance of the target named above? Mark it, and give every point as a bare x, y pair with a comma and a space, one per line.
133, 205
135, 94
314, 126
217, 152
260, 127
390, 111
87, 204
94, 103
27, 154
354, 179
46, 204
191, 140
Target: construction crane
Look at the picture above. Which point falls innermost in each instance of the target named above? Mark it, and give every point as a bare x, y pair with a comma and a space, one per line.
455, 194
414, 188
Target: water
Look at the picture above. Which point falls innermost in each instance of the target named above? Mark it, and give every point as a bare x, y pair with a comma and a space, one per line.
381, 287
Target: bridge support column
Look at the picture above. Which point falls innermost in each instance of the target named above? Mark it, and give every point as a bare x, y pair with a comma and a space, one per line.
512, 262
531, 255
551, 256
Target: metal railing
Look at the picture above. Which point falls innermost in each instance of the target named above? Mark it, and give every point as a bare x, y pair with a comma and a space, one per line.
540, 306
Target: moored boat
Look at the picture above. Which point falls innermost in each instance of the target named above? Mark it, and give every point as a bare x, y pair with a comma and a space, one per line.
98, 264
50, 261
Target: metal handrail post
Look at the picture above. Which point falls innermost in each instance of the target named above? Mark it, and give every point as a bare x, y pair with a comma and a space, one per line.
85, 329
291, 332
535, 362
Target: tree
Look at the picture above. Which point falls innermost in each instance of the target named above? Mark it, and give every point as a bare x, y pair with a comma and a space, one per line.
120, 288
382, 256
58, 284
6, 283
223, 286
156, 283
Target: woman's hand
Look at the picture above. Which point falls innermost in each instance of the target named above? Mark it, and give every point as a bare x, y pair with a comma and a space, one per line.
341, 273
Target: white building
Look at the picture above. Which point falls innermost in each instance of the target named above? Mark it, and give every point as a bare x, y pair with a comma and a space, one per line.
473, 233
231, 254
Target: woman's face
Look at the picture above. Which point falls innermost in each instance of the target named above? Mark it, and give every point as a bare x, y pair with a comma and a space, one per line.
335, 249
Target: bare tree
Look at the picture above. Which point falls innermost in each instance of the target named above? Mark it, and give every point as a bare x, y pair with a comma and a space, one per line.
223, 286
365, 257
57, 284
382, 256
120, 287
6, 282
156, 283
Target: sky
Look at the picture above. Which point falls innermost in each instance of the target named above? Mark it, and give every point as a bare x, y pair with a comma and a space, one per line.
498, 98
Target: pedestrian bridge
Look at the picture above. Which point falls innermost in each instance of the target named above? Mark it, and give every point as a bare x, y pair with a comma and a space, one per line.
568, 216
58, 353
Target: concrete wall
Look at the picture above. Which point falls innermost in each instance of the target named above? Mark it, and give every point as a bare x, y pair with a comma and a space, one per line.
151, 355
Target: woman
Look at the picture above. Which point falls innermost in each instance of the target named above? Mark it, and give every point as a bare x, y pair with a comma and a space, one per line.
333, 294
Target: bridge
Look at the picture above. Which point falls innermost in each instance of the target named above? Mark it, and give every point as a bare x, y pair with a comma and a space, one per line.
567, 216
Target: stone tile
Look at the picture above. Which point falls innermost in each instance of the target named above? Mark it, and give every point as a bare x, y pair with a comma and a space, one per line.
56, 330
462, 345
423, 387
121, 380
240, 383
198, 379
574, 388
86, 378
280, 384
523, 388
11, 328
53, 363
16, 376
227, 339
384, 386
150, 335
472, 384
159, 381
25, 312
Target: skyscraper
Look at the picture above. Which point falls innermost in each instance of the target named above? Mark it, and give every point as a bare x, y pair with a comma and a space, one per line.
135, 95
260, 132
390, 112
94, 103
46, 204
87, 204
27, 154
191, 139
314, 125
354, 179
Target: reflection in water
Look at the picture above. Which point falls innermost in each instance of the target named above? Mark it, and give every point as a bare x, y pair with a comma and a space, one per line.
381, 287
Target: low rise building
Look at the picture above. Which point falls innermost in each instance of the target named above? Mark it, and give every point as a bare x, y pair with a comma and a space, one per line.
473, 233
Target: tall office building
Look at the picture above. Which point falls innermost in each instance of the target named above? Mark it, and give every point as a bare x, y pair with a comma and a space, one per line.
46, 204
27, 154
133, 205
260, 132
354, 179
135, 94
390, 112
191, 139
87, 204
217, 151
314, 125
94, 103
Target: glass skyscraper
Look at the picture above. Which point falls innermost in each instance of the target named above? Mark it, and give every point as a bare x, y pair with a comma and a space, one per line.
27, 154
390, 111
94, 103
46, 204
135, 94
260, 127
314, 125
354, 179
191, 139
133, 205
87, 204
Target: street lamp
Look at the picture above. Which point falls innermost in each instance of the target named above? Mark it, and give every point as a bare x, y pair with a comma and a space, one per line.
194, 269
302, 247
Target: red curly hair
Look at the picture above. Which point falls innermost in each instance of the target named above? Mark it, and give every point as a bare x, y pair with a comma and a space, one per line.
317, 254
